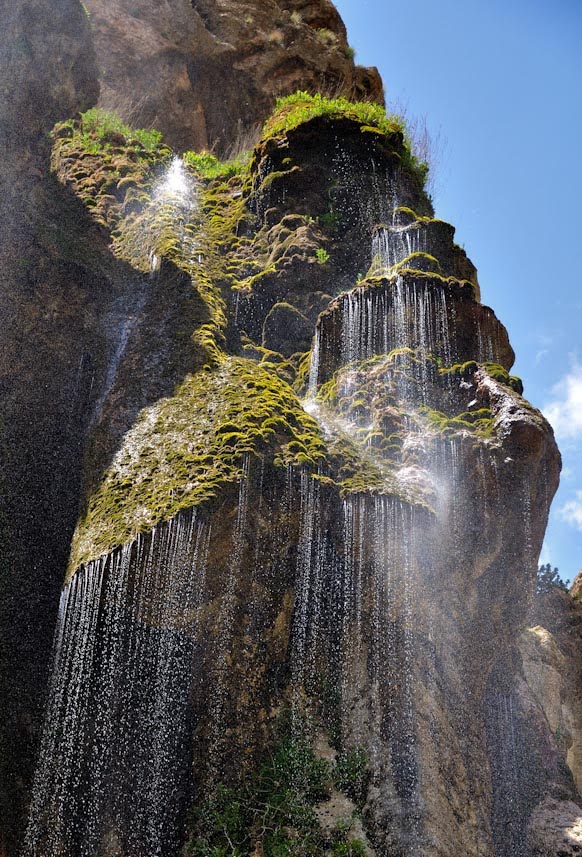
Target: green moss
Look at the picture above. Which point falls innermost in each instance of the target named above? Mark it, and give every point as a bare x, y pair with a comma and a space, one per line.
108, 165
101, 131
275, 175
461, 370
502, 376
516, 384
419, 262
209, 167
294, 110
185, 449
479, 423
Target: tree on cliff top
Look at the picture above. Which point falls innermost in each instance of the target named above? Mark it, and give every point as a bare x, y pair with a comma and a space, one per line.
548, 579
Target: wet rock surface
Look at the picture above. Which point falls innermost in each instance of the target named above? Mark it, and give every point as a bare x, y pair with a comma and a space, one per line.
556, 829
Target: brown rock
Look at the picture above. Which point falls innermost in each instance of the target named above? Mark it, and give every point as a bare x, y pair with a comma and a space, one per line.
555, 829
576, 588
164, 64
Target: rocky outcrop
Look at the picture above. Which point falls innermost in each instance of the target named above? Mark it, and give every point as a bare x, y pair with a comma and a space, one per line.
363, 565
163, 64
576, 588
69, 310
539, 804
556, 829
294, 612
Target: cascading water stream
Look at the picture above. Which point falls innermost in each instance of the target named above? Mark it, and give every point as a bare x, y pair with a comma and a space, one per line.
391, 245
320, 595
123, 667
408, 316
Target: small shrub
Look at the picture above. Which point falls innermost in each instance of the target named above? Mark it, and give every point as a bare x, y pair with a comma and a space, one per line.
322, 255
326, 37
275, 809
350, 775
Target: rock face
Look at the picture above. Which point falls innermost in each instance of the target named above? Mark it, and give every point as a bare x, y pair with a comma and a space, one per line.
45, 307
538, 811
163, 64
556, 829
348, 565
307, 496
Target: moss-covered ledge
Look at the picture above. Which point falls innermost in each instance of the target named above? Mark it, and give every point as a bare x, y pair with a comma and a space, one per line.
183, 451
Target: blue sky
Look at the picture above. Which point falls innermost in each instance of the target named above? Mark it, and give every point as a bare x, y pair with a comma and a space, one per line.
500, 83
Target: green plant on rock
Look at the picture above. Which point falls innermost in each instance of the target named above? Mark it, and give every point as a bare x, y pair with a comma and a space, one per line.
301, 107
322, 255
326, 37
211, 168
351, 774
293, 110
107, 129
274, 811
184, 450
502, 376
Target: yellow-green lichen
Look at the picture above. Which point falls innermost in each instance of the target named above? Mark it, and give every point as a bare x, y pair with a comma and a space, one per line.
185, 449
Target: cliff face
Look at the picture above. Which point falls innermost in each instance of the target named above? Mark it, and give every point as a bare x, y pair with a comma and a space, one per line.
550, 693
358, 560
311, 495
48, 72
68, 308
163, 64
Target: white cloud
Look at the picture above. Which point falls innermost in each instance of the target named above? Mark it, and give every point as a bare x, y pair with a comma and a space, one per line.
565, 411
571, 511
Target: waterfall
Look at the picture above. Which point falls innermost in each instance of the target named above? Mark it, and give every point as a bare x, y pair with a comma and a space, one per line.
410, 315
115, 746
354, 632
393, 244
219, 682
311, 574
335, 592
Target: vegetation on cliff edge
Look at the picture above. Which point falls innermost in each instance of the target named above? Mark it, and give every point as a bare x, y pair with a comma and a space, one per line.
185, 449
